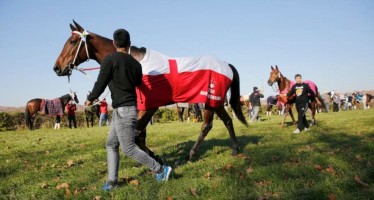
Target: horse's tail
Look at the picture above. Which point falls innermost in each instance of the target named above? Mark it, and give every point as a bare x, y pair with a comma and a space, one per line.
235, 96
28, 117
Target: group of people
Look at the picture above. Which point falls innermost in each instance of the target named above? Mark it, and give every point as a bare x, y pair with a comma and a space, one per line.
346, 101
72, 119
301, 92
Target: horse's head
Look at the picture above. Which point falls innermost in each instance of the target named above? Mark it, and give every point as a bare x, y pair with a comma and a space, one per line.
275, 75
75, 51
67, 97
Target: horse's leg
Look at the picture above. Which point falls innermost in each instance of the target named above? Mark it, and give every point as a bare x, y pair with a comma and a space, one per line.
205, 128
92, 120
226, 119
87, 119
291, 114
141, 133
287, 110
313, 108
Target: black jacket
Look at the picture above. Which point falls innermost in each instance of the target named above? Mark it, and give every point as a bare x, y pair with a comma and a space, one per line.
301, 91
122, 73
254, 98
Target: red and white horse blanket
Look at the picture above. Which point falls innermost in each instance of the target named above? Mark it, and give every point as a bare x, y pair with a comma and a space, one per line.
168, 80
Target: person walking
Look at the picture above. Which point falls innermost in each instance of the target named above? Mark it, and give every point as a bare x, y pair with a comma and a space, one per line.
300, 91
254, 99
103, 113
122, 73
71, 108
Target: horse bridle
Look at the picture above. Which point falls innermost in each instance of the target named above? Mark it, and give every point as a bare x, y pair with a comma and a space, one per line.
83, 37
272, 84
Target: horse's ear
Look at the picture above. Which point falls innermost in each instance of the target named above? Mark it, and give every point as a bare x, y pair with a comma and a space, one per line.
78, 26
272, 68
276, 67
72, 28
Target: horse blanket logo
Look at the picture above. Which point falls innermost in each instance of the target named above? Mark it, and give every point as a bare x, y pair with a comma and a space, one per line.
167, 80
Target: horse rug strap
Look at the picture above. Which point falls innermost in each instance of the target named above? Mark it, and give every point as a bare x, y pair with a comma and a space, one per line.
201, 79
53, 107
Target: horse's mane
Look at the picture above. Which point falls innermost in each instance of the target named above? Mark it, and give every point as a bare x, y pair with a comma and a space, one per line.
138, 50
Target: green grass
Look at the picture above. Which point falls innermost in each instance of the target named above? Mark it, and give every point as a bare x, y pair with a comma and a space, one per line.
274, 163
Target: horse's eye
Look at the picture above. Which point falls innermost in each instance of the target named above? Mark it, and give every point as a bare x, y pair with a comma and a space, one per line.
73, 42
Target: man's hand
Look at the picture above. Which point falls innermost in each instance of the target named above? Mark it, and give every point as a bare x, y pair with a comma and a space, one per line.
87, 103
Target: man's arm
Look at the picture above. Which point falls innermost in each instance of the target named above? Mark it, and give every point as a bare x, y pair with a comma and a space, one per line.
292, 91
102, 80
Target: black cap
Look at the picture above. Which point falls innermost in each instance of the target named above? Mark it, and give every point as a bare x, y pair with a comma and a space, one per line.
255, 88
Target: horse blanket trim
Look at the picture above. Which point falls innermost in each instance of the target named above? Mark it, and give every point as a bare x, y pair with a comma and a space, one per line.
52, 107
167, 80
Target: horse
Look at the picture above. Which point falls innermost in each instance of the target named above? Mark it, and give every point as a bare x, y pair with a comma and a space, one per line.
284, 86
369, 97
35, 105
97, 47
90, 112
357, 98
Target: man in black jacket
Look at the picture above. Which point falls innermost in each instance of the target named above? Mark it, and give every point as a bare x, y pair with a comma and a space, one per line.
122, 73
254, 99
301, 91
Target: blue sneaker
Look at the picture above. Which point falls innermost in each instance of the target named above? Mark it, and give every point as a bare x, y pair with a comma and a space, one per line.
164, 176
109, 186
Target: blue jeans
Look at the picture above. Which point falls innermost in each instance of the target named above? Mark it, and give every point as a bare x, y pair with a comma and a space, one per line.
254, 114
122, 133
104, 116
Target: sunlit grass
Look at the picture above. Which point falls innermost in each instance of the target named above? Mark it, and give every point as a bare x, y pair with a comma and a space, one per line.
274, 163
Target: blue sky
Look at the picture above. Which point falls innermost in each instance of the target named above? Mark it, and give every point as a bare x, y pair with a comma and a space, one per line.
329, 42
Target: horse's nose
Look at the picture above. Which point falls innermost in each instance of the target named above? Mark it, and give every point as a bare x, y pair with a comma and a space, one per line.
270, 83
57, 69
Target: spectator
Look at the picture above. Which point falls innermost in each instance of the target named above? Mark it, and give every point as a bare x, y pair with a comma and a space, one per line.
271, 101
254, 99
71, 108
104, 113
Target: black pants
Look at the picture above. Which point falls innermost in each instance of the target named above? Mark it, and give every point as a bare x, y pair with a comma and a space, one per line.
72, 119
301, 117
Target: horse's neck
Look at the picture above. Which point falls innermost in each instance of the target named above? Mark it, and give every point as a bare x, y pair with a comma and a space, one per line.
102, 47
136, 53
284, 84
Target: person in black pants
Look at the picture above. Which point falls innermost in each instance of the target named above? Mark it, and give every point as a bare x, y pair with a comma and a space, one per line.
300, 92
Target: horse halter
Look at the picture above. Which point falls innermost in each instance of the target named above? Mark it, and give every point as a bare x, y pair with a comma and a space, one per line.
276, 89
83, 37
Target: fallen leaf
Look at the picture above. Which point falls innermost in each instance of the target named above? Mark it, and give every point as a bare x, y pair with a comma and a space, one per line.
169, 198
263, 183
193, 192
249, 170
79, 190
63, 185
358, 158
44, 185
67, 192
47, 152
242, 176
330, 170
208, 175
318, 167
228, 166
82, 145
70, 163
134, 182
242, 156
97, 198
332, 196
359, 181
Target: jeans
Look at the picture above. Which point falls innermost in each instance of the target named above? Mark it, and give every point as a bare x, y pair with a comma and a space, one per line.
122, 133
104, 116
254, 114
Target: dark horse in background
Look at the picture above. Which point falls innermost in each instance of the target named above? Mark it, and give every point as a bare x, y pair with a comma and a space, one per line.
35, 105
284, 86
99, 47
91, 112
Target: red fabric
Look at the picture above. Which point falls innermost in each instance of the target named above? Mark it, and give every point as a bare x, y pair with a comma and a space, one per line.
202, 86
103, 107
71, 108
283, 94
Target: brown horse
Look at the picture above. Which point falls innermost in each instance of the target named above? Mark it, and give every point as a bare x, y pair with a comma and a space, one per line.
81, 46
284, 86
357, 104
35, 105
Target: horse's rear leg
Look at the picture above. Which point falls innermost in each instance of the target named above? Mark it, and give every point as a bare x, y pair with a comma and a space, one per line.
205, 128
224, 116
313, 108
141, 133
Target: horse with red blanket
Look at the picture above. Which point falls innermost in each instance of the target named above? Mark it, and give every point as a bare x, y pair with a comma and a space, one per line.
166, 80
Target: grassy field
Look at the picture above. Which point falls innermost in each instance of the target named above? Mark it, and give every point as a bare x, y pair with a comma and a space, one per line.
334, 160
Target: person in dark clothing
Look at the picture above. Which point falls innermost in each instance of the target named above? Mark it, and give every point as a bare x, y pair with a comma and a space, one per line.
122, 73
254, 99
271, 101
300, 92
